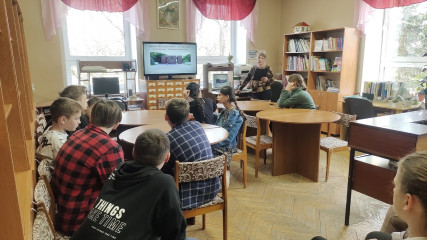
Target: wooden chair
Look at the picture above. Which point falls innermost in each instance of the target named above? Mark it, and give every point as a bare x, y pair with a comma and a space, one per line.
331, 144
202, 170
43, 194
258, 142
241, 153
44, 169
43, 226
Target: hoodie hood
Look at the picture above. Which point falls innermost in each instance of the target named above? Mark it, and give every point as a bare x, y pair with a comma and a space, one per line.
130, 173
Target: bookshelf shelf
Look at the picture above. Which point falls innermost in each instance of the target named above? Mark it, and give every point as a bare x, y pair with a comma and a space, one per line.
327, 48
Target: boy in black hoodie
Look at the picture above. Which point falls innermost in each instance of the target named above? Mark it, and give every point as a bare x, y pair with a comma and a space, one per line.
138, 201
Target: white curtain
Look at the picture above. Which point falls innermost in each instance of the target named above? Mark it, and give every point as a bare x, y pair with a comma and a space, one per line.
54, 11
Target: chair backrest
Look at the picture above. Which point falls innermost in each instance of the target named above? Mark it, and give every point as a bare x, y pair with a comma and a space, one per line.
276, 90
251, 121
242, 137
161, 102
200, 170
361, 107
43, 194
43, 226
44, 169
345, 119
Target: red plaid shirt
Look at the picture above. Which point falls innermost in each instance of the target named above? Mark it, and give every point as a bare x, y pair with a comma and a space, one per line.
81, 167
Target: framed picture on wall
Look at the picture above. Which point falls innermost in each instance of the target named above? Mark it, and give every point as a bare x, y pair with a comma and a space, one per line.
168, 14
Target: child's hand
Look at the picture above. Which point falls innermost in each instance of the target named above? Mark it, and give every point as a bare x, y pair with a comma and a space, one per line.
290, 86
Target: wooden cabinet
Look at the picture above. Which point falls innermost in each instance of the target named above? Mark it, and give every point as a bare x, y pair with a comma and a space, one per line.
302, 53
158, 91
17, 115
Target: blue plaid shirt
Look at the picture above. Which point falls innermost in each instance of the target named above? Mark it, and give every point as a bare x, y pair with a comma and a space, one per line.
188, 143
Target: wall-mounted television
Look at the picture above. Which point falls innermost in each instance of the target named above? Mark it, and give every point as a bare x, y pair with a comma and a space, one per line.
103, 85
169, 58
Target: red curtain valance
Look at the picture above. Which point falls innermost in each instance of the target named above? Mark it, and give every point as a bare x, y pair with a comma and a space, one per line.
381, 4
225, 9
101, 5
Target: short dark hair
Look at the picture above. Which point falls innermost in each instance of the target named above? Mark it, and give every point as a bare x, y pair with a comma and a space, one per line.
177, 110
74, 92
64, 107
93, 101
106, 113
151, 147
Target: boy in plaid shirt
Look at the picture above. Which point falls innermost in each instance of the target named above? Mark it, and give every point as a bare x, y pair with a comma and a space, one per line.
188, 143
83, 165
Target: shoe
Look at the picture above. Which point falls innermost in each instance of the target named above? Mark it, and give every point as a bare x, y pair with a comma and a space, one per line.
191, 221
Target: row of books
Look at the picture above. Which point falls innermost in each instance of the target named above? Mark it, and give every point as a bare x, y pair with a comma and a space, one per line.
299, 45
322, 83
320, 64
297, 63
383, 90
329, 44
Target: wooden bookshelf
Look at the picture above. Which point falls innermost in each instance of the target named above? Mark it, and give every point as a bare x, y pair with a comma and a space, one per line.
345, 79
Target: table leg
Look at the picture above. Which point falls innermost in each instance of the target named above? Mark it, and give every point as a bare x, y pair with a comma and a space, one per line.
349, 187
296, 149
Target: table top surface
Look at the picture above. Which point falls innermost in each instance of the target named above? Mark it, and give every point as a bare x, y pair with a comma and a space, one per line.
142, 117
299, 116
253, 106
386, 105
214, 133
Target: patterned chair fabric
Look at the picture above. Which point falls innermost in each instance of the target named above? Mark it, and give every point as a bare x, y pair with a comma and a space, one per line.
331, 142
161, 102
42, 228
264, 139
251, 121
44, 169
345, 119
41, 194
201, 170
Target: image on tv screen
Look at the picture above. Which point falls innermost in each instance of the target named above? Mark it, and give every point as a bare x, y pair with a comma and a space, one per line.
220, 80
169, 58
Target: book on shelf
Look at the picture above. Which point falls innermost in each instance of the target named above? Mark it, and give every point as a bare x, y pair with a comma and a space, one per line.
328, 44
318, 45
298, 45
333, 89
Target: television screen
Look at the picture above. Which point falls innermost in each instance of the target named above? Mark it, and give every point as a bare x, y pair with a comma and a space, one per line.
220, 80
103, 85
169, 58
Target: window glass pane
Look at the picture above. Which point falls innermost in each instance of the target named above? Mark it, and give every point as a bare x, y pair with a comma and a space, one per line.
213, 38
407, 31
408, 75
87, 38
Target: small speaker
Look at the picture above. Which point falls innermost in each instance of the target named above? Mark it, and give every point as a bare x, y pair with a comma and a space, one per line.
125, 66
130, 92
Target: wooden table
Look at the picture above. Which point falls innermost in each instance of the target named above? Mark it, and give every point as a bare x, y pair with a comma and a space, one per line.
296, 139
127, 138
387, 138
142, 117
393, 109
253, 106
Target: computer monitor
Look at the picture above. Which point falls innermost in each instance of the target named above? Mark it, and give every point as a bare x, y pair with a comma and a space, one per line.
220, 80
103, 85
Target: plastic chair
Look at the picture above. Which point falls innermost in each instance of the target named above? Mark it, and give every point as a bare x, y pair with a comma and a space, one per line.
202, 170
276, 90
258, 142
241, 153
331, 144
361, 107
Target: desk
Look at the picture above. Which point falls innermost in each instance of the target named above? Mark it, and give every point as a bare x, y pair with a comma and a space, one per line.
296, 139
127, 138
387, 138
394, 109
134, 104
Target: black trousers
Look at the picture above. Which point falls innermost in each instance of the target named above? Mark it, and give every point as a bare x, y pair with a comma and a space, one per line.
264, 95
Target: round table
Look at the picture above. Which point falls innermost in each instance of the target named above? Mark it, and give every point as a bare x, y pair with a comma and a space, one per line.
127, 138
296, 139
253, 106
142, 117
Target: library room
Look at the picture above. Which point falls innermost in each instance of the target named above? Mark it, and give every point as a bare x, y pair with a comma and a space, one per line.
212, 119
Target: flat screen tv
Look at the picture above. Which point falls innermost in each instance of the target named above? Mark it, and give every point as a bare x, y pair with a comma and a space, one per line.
103, 85
169, 58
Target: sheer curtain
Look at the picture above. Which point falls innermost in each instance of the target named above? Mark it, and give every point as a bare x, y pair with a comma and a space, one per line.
244, 10
367, 8
134, 11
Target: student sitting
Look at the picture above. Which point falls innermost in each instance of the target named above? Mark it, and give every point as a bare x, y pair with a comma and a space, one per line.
294, 95
138, 201
202, 108
65, 114
188, 143
231, 118
83, 165
90, 103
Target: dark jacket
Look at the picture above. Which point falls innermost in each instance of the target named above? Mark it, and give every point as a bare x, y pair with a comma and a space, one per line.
136, 202
203, 113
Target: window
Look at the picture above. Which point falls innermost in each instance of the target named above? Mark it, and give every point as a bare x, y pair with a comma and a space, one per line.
216, 39
396, 53
96, 36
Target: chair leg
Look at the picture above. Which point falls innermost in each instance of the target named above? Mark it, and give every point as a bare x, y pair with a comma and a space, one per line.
245, 166
328, 161
224, 224
256, 162
204, 221
265, 156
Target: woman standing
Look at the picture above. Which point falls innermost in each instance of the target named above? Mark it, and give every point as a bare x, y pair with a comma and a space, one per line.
202, 108
261, 78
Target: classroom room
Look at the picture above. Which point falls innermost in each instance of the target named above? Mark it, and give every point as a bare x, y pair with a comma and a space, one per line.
312, 111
